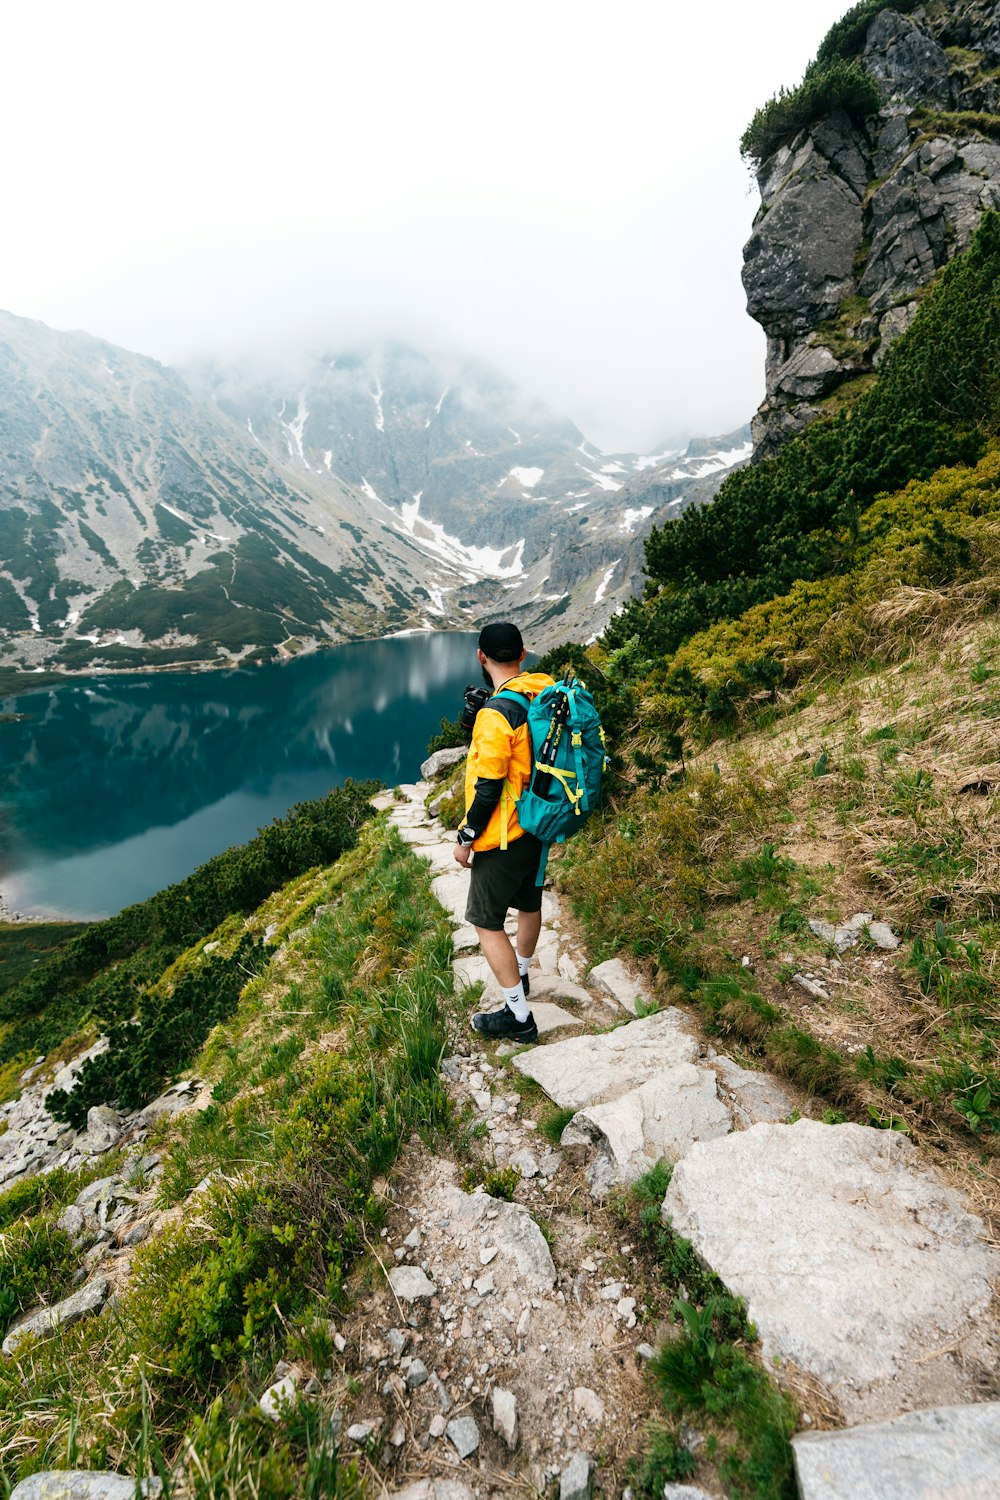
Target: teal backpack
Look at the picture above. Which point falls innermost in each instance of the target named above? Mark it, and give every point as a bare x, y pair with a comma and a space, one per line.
569, 757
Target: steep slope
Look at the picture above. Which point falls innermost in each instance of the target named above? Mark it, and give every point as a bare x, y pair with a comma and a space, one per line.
872, 175
546, 527
147, 519
137, 523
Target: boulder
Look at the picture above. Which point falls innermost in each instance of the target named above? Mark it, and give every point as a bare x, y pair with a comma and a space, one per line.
662, 1118
952, 1450
441, 760
798, 264
854, 1257
905, 62
591, 1069
614, 979
82, 1304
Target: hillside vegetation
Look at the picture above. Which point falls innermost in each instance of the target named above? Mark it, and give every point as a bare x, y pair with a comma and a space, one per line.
810, 690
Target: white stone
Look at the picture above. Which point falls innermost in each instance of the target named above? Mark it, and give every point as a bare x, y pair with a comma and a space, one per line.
856, 1259
278, 1398
590, 1069
574, 1482
438, 1425
549, 1018
505, 1416
525, 1162
410, 1284
950, 1451
661, 1119
614, 979
523, 1263
432, 1489
588, 1404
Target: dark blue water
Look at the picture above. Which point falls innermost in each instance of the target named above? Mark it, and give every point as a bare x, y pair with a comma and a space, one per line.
115, 786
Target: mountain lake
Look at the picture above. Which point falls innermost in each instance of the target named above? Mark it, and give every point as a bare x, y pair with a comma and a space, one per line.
113, 786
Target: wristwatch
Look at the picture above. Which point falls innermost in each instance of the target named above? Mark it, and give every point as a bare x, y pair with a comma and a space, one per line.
466, 834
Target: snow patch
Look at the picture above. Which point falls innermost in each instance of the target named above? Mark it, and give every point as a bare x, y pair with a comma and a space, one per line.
295, 428
604, 480
376, 396
526, 478
613, 469
328, 459
713, 463
570, 509
631, 518
516, 436
370, 492
650, 460
179, 514
602, 587
478, 562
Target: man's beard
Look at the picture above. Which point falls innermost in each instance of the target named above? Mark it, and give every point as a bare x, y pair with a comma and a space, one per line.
488, 679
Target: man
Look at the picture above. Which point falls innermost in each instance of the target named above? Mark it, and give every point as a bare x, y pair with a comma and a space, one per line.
502, 877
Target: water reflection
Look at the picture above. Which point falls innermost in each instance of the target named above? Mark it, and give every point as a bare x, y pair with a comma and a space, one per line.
116, 786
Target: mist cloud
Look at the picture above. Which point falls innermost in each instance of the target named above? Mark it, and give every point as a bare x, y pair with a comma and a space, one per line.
555, 189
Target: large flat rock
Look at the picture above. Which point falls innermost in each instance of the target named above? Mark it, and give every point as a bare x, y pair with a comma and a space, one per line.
948, 1451
661, 1119
856, 1260
589, 1069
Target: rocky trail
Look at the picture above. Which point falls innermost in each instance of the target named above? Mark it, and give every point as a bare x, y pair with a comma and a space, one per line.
505, 1352
501, 1347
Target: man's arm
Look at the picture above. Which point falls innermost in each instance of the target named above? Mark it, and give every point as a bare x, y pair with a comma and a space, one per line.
493, 737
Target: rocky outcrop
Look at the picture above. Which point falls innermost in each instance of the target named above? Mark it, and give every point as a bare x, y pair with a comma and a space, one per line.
856, 221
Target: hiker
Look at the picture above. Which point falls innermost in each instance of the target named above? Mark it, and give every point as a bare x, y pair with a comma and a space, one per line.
502, 878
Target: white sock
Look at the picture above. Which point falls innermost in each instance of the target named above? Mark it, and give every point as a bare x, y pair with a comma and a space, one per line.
515, 999
522, 964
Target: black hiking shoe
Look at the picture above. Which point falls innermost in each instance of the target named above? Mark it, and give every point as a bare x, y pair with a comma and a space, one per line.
503, 1024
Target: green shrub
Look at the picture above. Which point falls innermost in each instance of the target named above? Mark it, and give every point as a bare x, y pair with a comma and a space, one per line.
799, 518
111, 962
836, 85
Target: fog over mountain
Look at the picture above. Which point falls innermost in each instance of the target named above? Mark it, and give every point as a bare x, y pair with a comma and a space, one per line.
150, 517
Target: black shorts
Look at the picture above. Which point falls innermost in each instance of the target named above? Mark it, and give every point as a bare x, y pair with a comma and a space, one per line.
504, 878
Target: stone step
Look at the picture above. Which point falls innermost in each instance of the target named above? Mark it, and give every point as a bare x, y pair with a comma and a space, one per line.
600, 1066
858, 1262
945, 1451
660, 1120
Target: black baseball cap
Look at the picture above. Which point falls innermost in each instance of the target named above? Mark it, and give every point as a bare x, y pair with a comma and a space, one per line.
501, 641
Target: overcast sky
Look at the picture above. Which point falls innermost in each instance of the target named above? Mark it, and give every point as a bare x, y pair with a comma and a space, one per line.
551, 185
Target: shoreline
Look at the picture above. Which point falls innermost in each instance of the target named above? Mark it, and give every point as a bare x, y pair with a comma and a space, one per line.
47, 678
9, 918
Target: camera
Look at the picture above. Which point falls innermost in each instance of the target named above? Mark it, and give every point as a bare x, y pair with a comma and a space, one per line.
474, 698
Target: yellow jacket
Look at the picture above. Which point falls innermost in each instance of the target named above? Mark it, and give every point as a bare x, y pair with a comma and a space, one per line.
501, 751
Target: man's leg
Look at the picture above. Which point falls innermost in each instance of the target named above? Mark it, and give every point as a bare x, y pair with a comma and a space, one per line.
529, 925
499, 953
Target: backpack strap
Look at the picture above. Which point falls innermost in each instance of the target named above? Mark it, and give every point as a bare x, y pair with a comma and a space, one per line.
507, 796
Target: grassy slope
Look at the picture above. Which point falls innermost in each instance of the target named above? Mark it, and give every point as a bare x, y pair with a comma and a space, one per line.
328, 1063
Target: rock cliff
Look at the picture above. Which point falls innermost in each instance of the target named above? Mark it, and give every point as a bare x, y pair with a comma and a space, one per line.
857, 219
